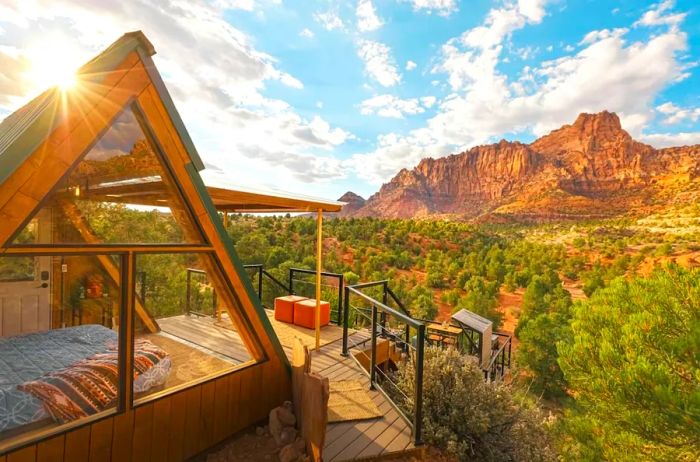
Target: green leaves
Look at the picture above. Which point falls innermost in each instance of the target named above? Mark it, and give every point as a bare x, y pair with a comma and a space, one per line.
632, 360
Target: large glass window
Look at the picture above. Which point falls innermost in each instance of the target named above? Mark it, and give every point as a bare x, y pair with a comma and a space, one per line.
120, 192
59, 342
189, 303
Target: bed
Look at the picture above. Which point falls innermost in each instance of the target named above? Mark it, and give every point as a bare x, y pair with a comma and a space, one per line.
33, 363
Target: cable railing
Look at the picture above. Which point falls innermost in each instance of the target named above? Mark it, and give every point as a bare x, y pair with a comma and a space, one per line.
403, 340
496, 369
196, 298
266, 292
332, 293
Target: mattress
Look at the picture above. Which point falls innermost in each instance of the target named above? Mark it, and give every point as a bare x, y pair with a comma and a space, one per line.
28, 357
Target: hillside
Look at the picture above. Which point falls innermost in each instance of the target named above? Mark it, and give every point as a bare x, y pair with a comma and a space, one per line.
591, 168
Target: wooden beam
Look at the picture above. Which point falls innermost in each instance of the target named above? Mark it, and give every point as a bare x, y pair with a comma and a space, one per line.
228, 198
73, 214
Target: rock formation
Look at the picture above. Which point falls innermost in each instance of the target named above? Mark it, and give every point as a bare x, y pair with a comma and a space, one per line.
591, 168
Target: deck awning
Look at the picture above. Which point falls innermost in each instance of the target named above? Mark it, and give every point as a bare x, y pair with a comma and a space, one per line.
150, 191
258, 201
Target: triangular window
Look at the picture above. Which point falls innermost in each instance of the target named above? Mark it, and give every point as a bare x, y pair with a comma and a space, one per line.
120, 192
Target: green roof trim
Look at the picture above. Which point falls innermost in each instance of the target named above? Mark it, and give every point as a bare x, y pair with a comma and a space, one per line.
238, 265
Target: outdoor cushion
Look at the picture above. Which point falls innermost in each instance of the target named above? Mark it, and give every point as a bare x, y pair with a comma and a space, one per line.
284, 307
304, 313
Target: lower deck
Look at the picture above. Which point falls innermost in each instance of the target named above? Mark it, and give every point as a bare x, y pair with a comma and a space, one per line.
345, 441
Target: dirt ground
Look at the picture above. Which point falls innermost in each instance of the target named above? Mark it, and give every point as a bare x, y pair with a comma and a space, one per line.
247, 446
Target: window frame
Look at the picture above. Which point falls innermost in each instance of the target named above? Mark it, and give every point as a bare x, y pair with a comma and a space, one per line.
135, 107
127, 254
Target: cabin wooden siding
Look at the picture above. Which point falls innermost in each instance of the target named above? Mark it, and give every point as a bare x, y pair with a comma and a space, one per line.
173, 428
179, 425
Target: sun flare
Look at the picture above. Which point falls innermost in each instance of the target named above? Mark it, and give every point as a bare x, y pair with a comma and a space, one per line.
51, 65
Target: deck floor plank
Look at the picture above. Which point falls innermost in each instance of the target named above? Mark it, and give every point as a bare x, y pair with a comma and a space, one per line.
345, 441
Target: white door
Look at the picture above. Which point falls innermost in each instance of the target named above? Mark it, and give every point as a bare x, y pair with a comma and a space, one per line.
25, 291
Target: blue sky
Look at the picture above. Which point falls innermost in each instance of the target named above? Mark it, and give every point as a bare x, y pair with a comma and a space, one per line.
321, 97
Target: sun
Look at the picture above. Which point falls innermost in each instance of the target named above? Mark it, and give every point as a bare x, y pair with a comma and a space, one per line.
52, 64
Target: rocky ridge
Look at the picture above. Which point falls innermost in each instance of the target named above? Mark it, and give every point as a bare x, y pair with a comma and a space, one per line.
591, 168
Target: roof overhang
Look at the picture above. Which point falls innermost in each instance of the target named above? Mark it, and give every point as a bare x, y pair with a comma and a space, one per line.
255, 201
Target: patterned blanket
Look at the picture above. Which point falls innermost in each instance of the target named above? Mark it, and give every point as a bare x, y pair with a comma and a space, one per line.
90, 385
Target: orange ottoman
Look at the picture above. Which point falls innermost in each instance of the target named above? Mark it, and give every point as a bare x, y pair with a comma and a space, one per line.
284, 307
305, 313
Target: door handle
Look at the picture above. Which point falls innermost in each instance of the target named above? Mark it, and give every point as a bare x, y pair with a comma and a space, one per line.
43, 285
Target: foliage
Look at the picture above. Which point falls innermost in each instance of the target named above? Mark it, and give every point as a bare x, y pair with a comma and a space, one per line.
472, 419
633, 364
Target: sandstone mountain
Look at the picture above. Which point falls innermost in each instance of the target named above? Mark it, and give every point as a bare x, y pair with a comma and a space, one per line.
592, 168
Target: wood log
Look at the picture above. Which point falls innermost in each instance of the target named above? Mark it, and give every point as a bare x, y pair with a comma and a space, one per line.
314, 413
301, 364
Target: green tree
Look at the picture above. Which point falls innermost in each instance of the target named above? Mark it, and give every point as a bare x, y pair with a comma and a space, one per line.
633, 362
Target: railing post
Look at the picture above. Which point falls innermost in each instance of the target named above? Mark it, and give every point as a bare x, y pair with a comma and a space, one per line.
291, 281
510, 343
260, 282
346, 312
341, 284
385, 301
503, 363
418, 399
373, 361
188, 294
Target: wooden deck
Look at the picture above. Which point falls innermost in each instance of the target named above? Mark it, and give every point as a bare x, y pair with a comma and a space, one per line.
345, 441
367, 438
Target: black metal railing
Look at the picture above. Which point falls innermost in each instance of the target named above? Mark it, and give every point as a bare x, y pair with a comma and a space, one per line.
331, 289
194, 299
275, 287
396, 326
496, 369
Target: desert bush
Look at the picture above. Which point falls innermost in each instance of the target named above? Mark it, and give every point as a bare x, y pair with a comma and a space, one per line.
471, 419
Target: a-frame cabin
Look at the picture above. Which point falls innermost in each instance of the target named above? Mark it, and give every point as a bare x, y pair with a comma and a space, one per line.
111, 248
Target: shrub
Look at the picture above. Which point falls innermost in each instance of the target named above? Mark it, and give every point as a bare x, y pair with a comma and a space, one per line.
472, 419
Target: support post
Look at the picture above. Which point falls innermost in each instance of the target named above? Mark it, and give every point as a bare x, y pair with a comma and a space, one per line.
346, 310
385, 301
188, 294
341, 284
260, 283
291, 281
319, 250
418, 399
373, 359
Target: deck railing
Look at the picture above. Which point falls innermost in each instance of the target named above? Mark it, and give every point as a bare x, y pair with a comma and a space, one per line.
191, 307
259, 276
396, 327
331, 286
496, 369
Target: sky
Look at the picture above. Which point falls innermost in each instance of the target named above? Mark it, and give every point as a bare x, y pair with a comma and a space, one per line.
323, 97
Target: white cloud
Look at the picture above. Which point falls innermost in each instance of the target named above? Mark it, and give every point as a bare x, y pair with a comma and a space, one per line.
307, 33
598, 35
657, 16
329, 20
666, 140
607, 72
441, 7
410, 65
674, 114
395, 152
219, 93
367, 19
393, 107
428, 101
378, 62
